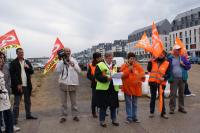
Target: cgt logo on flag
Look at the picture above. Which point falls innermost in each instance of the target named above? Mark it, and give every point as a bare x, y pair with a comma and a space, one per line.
51, 64
9, 40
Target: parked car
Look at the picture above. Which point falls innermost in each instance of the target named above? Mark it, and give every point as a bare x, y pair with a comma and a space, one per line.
193, 60
38, 66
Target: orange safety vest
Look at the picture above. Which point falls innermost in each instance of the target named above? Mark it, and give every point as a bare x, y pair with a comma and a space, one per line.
158, 72
92, 68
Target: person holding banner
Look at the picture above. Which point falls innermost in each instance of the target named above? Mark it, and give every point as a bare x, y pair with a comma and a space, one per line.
158, 69
69, 82
179, 66
133, 76
106, 91
21, 71
90, 75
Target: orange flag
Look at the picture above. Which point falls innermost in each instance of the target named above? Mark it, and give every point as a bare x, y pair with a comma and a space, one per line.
157, 45
53, 60
9, 40
144, 43
183, 48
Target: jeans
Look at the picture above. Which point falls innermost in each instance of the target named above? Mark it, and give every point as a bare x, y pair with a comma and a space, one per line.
154, 87
131, 107
27, 102
102, 114
187, 90
8, 119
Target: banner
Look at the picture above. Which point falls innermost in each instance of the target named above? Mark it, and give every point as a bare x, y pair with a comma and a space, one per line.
9, 40
53, 60
183, 48
157, 45
144, 43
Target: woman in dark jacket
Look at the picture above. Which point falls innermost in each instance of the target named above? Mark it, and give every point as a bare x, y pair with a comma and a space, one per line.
90, 75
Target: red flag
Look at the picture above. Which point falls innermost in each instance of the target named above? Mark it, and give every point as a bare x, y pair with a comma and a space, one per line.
144, 43
51, 64
9, 40
156, 42
183, 48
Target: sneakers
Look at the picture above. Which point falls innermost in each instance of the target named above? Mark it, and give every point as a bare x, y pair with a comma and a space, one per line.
3, 129
151, 115
136, 121
189, 95
15, 128
182, 111
128, 121
62, 120
103, 124
164, 116
76, 119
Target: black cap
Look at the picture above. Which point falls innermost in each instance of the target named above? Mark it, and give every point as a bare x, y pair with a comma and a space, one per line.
96, 55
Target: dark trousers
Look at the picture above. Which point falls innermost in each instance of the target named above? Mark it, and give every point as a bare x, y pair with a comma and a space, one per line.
186, 90
154, 87
93, 102
27, 103
177, 85
8, 120
102, 114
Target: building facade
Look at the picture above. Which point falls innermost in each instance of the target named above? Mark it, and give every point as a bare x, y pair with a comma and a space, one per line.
164, 28
187, 27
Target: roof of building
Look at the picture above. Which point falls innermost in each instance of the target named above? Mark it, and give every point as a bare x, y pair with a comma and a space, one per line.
187, 13
158, 24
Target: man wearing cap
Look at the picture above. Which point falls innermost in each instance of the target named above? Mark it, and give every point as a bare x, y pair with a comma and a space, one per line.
179, 66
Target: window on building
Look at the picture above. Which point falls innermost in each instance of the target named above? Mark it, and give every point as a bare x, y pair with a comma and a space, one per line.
180, 35
190, 40
195, 39
190, 33
165, 38
193, 46
186, 40
187, 47
176, 34
199, 14
185, 33
195, 32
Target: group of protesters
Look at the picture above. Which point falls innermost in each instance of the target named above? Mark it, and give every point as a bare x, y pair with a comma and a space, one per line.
14, 79
171, 67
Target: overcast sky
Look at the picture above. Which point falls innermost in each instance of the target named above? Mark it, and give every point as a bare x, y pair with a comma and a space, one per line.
81, 24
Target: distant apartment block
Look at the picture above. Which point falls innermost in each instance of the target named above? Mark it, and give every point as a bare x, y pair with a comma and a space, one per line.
186, 26
164, 27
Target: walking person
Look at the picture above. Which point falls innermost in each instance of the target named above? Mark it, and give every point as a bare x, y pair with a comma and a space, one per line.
106, 92
21, 71
69, 82
158, 69
133, 76
5, 106
179, 66
90, 75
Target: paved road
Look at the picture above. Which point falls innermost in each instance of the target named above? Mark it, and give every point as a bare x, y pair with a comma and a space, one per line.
46, 106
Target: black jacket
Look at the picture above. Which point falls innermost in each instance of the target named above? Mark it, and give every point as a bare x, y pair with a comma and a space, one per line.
15, 72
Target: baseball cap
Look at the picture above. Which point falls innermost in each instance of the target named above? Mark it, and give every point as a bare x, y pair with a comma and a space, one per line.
176, 47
